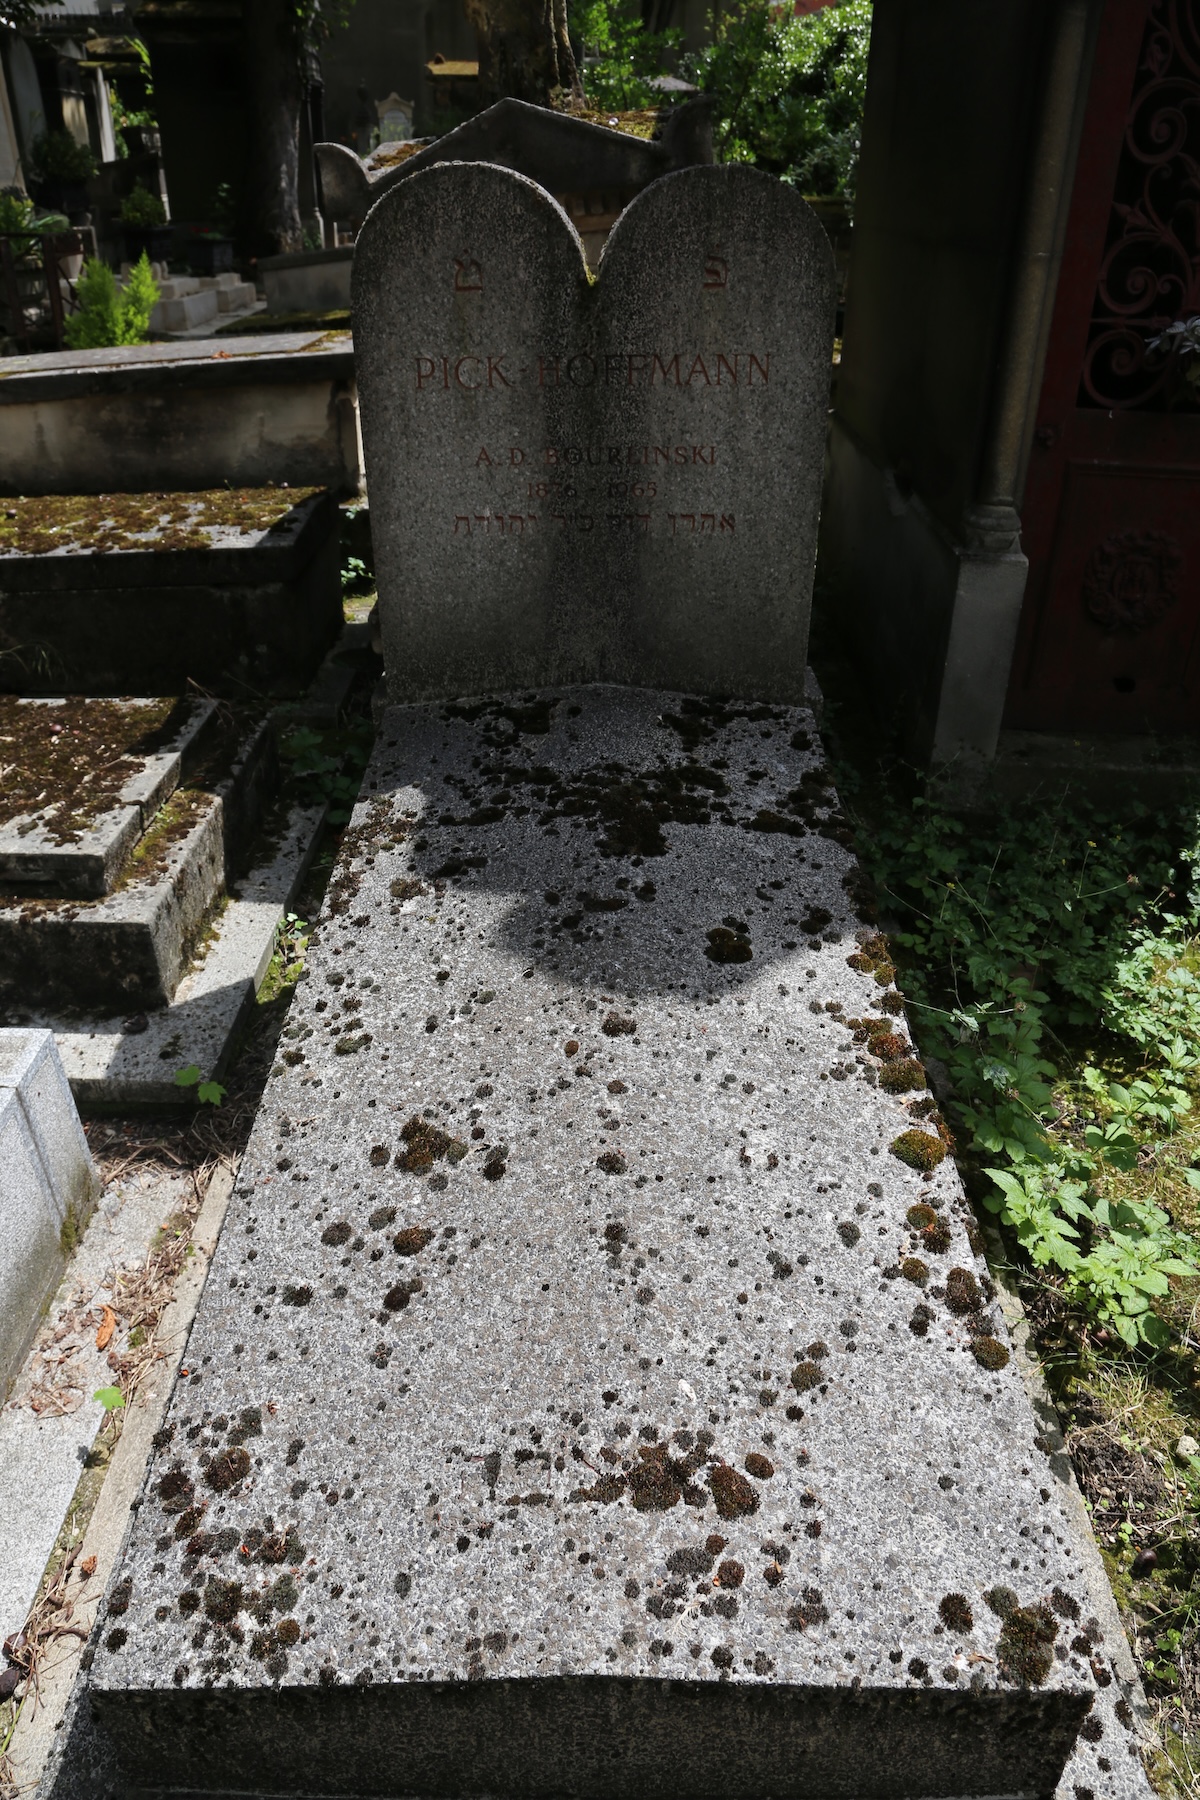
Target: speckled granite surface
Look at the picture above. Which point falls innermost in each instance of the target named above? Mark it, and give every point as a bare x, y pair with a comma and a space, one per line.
563, 1415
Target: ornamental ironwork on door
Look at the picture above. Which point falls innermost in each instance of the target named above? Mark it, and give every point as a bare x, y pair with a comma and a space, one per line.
1150, 276
1110, 628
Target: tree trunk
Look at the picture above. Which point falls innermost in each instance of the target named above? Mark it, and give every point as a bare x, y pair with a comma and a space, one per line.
524, 50
275, 95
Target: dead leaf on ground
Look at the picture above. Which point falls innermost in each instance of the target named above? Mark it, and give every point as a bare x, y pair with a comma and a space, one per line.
108, 1325
87, 1567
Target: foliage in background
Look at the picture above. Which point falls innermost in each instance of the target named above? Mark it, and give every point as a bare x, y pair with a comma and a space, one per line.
142, 209
125, 119
620, 55
790, 91
1052, 964
56, 156
16, 212
108, 314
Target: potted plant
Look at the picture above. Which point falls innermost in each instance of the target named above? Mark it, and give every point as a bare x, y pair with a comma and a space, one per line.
144, 225
61, 169
209, 252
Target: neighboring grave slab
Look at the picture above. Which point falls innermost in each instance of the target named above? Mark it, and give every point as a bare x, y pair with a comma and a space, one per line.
553, 148
235, 590
83, 778
611, 481
129, 948
586, 1395
48, 1185
279, 407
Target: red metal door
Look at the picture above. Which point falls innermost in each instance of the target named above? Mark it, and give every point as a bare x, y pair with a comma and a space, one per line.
1110, 629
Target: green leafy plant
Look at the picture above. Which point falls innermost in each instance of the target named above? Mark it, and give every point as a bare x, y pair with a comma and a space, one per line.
356, 577
56, 156
621, 56
789, 91
1020, 938
111, 1399
125, 119
142, 209
332, 770
208, 1093
16, 212
108, 314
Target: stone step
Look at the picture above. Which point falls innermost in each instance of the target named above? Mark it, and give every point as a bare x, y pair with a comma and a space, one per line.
235, 591
185, 311
114, 1061
598, 1387
130, 948
107, 781
236, 297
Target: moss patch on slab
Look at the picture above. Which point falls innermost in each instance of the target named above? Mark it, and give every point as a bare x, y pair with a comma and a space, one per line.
89, 523
65, 761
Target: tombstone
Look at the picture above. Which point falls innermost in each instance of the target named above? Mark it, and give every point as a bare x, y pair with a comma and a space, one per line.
565, 154
597, 1388
617, 481
395, 119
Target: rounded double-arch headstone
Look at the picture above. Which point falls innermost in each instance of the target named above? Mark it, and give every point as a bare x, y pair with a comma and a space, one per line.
594, 480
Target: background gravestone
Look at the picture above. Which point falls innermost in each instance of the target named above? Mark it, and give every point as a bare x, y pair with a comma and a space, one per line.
615, 480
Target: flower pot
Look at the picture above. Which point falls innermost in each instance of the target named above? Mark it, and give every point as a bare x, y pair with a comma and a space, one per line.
155, 240
209, 255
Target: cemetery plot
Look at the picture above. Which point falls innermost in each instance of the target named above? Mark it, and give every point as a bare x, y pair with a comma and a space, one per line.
235, 590
598, 1383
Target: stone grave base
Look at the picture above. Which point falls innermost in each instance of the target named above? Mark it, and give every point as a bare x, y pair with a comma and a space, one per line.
236, 592
593, 1738
599, 1386
123, 1063
129, 924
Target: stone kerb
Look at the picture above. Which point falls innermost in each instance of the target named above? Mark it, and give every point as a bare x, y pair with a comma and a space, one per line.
48, 1184
609, 480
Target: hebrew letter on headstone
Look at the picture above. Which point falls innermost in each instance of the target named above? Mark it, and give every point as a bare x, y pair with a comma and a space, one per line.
687, 385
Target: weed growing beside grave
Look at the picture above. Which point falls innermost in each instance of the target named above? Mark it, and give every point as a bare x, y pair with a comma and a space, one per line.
1050, 959
1054, 973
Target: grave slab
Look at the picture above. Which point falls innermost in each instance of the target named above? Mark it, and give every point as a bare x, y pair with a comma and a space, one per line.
277, 407
235, 591
612, 480
115, 1061
107, 781
130, 947
48, 1184
588, 1396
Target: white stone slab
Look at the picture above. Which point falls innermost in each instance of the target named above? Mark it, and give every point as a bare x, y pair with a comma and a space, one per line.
50, 1422
109, 1065
237, 296
182, 314
46, 1180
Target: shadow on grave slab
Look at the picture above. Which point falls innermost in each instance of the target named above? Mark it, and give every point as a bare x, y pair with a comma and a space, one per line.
647, 841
